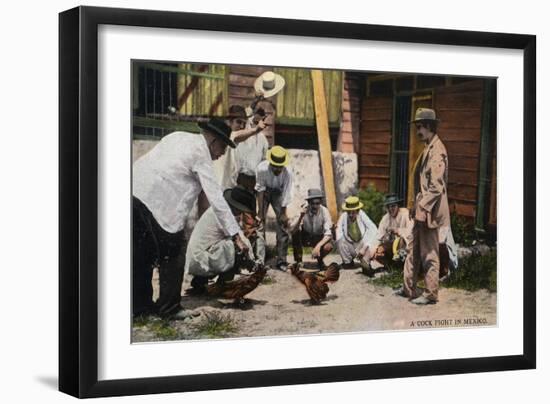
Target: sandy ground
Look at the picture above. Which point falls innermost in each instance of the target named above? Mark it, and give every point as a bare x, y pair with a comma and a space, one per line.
281, 307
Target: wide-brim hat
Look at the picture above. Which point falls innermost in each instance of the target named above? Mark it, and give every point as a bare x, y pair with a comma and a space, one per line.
241, 199
219, 128
278, 156
392, 199
314, 193
424, 114
269, 84
352, 203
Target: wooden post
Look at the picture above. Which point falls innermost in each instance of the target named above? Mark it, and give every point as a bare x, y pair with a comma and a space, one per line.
323, 135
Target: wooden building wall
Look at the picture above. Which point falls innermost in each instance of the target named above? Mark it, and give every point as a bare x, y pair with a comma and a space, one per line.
348, 139
459, 107
375, 142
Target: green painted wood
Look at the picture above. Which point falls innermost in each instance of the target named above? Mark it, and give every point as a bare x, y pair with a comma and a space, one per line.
164, 124
173, 69
206, 90
295, 101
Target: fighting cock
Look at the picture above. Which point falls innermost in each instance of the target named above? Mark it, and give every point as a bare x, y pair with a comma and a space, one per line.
238, 288
316, 284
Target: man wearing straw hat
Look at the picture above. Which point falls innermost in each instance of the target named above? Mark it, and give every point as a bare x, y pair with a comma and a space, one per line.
430, 211
274, 187
166, 183
355, 233
313, 228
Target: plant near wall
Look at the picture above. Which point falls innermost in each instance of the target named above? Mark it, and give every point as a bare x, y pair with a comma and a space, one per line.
373, 201
463, 230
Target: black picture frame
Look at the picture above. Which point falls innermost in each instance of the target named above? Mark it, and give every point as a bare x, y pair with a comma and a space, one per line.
78, 196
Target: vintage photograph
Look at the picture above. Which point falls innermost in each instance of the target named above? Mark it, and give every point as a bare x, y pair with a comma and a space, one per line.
284, 201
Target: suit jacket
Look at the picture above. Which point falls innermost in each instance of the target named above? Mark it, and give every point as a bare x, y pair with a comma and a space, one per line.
430, 183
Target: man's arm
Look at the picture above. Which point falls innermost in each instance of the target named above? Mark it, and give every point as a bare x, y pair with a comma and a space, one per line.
436, 183
205, 172
241, 135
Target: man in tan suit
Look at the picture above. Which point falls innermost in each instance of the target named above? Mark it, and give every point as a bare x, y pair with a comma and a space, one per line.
430, 211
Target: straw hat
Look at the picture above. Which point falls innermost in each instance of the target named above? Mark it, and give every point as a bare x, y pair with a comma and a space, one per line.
269, 84
352, 203
278, 156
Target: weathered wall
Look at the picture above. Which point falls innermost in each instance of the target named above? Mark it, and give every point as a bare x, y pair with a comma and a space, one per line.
306, 169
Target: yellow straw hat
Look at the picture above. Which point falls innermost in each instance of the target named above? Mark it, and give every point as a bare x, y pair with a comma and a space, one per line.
278, 156
352, 203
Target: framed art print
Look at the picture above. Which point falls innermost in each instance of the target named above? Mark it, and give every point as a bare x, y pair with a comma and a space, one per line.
251, 201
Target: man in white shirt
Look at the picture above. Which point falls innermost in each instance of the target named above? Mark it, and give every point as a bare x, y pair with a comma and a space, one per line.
211, 252
396, 223
313, 229
166, 183
274, 187
355, 233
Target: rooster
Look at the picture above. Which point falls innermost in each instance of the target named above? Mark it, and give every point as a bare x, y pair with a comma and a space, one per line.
316, 284
238, 288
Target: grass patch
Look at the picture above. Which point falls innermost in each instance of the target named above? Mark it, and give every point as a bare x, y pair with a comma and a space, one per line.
474, 273
162, 329
215, 324
268, 280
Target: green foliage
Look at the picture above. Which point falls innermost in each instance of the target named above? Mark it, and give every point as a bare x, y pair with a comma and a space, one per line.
215, 324
463, 230
476, 272
373, 201
268, 280
162, 329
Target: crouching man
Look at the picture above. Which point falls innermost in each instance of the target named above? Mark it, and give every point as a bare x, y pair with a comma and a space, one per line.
355, 234
211, 251
394, 233
313, 228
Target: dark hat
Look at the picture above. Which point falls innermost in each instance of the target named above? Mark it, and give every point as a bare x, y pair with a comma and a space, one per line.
241, 199
314, 193
219, 128
391, 199
424, 114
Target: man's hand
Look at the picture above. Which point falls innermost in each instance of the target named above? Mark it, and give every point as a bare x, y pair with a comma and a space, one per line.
420, 216
240, 244
284, 219
316, 252
261, 125
303, 209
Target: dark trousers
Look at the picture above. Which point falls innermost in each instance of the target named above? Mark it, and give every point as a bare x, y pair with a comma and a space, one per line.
301, 238
153, 246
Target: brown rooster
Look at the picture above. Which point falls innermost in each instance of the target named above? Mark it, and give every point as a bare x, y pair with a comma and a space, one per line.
316, 284
238, 288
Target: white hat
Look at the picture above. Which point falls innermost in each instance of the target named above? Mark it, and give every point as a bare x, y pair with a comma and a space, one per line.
269, 84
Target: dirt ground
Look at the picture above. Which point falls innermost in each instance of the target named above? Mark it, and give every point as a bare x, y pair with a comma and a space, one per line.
280, 306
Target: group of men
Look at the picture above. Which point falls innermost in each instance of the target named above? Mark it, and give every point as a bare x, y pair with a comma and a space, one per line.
238, 190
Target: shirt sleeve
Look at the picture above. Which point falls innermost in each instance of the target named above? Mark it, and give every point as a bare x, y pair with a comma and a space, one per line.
369, 237
327, 223
382, 227
287, 190
260, 179
205, 171
339, 232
